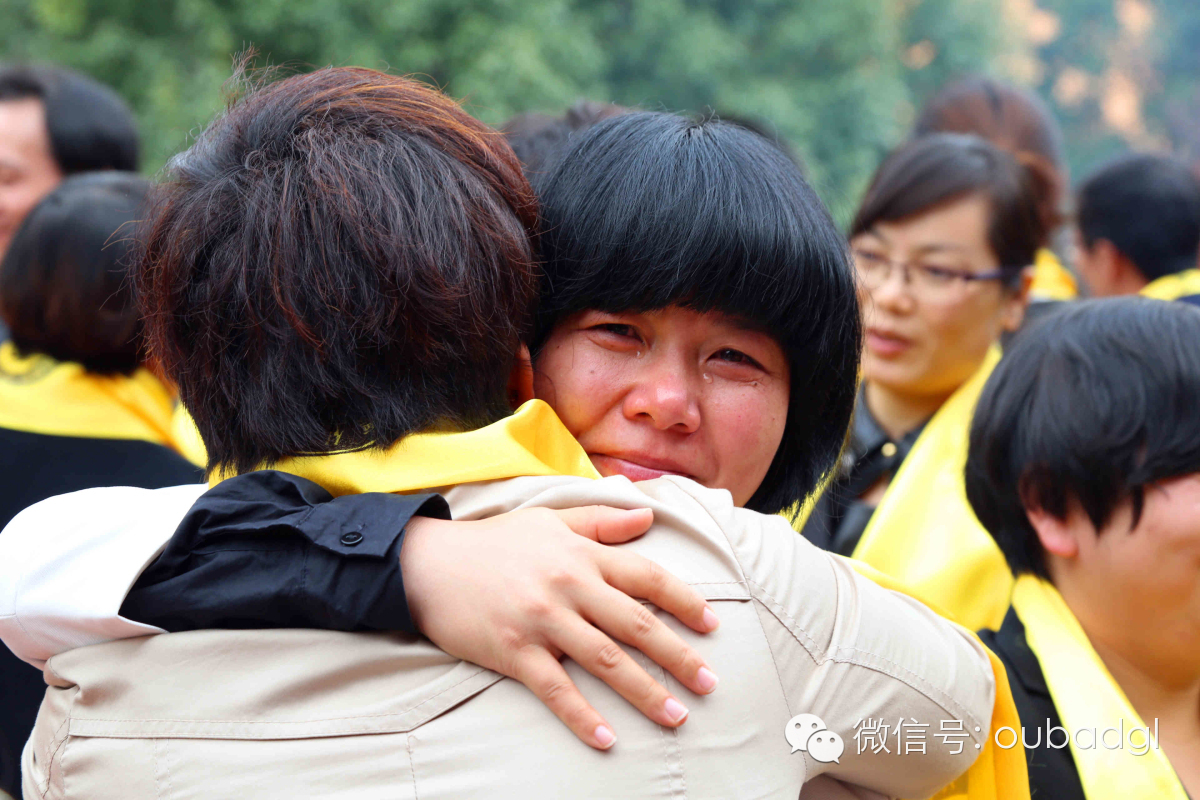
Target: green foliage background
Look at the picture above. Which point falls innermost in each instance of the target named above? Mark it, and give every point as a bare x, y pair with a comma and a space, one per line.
837, 79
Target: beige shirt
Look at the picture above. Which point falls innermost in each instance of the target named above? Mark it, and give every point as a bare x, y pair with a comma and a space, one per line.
301, 713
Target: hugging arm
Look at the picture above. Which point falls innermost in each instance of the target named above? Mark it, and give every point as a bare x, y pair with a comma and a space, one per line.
269, 549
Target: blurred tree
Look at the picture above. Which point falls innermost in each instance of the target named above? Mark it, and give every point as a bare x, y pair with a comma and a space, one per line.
1120, 74
838, 80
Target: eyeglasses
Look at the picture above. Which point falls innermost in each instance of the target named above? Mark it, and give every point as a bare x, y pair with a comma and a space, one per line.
874, 271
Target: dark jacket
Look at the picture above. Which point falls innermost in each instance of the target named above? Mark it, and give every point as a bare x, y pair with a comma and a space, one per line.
1052, 772
839, 518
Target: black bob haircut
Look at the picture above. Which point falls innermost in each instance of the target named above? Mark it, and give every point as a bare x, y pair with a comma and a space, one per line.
1095, 404
650, 210
943, 167
1148, 206
64, 282
90, 126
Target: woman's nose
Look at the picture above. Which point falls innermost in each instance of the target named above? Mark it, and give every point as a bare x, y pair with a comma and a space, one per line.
665, 394
894, 293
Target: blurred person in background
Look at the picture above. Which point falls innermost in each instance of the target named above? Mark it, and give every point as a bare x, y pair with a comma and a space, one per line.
1138, 229
77, 409
538, 139
666, 314
1018, 121
1085, 466
944, 243
55, 123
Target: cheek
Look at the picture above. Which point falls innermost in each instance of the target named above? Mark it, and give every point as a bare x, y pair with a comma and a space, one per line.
1151, 569
578, 382
959, 338
747, 427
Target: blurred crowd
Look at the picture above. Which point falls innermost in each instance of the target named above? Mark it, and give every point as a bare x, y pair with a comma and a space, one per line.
982, 397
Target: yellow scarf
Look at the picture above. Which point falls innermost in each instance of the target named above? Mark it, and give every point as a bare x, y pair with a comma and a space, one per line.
41, 395
183, 431
533, 441
924, 532
1086, 696
1173, 287
1051, 280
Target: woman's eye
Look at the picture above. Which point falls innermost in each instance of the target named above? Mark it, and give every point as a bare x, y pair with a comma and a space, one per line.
940, 274
617, 329
736, 357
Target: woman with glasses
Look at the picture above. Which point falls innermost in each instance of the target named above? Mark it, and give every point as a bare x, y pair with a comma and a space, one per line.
943, 244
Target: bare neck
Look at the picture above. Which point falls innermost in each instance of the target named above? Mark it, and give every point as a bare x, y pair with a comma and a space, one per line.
1158, 671
899, 413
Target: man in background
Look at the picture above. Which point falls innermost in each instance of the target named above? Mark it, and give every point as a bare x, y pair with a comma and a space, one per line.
1139, 229
55, 123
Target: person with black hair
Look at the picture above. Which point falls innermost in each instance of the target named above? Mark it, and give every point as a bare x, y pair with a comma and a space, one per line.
1138, 229
1084, 465
538, 139
76, 409
944, 242
54, 123
1019, 122
366, 416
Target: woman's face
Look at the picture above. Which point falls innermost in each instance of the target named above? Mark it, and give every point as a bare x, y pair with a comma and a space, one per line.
925, 338
1121, 575
669, 392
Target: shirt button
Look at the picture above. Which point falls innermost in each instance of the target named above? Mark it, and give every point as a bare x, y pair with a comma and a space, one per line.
888, 449
351, 539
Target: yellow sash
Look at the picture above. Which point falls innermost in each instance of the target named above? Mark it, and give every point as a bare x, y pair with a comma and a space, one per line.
1087, 697
41, 395
1051, 280
924, 532
1173, 287
187, 438
531, 442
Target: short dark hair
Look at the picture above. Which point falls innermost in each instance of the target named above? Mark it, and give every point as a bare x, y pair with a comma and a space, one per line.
1012, 118
650, 210
90, 126
1096, 403
538, 139
941, 167
1148, 206
340, 260
64, 288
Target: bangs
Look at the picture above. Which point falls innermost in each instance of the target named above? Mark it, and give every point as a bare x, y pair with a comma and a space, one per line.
651, 210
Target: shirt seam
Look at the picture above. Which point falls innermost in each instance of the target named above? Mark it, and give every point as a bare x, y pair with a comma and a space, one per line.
897, 671
429, 699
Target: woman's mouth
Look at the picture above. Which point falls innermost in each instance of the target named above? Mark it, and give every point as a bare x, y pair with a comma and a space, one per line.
886, 344
635, 467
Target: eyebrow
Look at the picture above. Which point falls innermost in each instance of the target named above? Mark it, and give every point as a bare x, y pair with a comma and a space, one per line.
935, 247
748, 326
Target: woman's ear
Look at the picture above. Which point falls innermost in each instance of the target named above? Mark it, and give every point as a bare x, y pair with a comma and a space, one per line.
1057, 536
520, 379
1017, 301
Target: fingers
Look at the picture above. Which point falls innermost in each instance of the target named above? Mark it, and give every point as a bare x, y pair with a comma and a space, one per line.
632, 623
607, 525
640, 577
602, 657
545, 677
